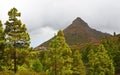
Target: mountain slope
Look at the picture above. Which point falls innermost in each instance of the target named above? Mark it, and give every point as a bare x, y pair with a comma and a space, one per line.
79, 32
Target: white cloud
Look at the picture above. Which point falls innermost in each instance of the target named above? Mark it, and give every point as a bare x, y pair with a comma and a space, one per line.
44, 17
41, 34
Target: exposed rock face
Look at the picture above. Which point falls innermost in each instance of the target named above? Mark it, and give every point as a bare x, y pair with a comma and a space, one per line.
79, 32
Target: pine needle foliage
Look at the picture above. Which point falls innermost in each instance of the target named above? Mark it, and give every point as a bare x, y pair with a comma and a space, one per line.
60, 55
100, 62
17, 37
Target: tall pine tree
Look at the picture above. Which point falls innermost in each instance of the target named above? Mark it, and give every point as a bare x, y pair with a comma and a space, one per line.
112, 45
91, 62
78, 66
60, 56
2, 45
16, 34
100, 62
2, 41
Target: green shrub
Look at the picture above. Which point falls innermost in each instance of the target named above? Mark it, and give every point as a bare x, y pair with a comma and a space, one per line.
37, 66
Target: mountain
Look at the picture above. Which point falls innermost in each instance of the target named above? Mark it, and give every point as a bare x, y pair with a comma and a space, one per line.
78, 33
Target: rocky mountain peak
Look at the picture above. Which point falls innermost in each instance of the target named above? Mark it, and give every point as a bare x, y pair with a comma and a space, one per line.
79, 22
78, 33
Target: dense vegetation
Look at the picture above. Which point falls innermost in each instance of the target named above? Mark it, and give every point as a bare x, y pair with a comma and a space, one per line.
17, 57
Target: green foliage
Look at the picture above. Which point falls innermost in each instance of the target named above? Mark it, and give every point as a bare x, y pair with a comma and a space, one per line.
16, 31
44, 59
8, 60
60, 56
78, 66
23, 67
2, 41
100, 62
112, 45
91, 63
22, 56
17, 39
2, 46
37, 66
85, 52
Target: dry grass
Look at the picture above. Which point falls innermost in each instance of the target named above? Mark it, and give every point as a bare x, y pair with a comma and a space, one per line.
22, 73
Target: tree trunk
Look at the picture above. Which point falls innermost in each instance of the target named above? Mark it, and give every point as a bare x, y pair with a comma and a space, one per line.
55, 72
15, 66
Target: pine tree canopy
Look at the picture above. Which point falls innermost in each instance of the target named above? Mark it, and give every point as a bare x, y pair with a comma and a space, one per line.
2, 41
16, 31
100, 62
60, 55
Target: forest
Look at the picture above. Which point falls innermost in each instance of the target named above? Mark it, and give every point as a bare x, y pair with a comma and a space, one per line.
101, 57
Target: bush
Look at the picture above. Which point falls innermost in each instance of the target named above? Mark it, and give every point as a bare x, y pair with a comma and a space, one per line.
37, 66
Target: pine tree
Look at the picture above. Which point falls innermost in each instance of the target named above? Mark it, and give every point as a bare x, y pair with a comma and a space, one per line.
2, 41
36, 65
100, 62
111, 48
16, 34
60, 55
112, 45
78, 66
44, 59
91, 63
2, 45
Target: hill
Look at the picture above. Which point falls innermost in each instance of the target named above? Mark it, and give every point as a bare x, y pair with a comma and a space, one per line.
78, 33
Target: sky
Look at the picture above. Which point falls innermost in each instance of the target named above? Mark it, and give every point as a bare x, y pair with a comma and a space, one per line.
43, 18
